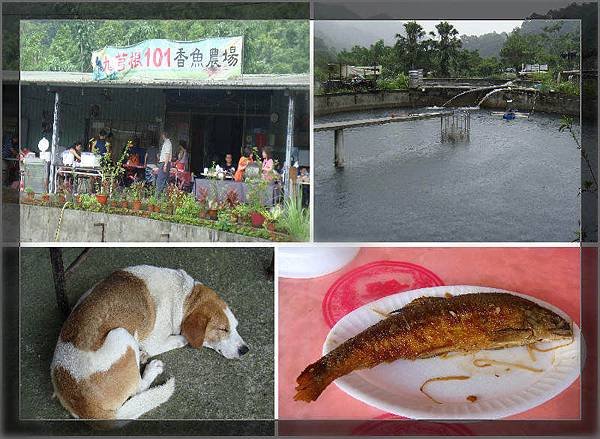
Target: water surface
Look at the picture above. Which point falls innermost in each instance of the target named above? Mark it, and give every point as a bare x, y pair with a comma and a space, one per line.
513, 181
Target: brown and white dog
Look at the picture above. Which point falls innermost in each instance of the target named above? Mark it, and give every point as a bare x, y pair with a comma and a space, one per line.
133, 314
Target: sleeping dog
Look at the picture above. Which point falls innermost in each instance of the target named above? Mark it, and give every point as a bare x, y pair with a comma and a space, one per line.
134, 314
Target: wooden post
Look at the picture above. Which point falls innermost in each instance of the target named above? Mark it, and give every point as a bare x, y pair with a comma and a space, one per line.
338, 148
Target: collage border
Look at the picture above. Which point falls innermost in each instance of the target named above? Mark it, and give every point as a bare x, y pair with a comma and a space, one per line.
314, 10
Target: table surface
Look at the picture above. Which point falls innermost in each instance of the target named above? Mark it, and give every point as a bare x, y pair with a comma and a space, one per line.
550, 274
211, 176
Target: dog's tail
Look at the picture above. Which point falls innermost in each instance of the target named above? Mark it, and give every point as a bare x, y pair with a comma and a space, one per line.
149, 399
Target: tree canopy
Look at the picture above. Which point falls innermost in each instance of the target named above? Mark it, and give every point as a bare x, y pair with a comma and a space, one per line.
270, 46
441, 53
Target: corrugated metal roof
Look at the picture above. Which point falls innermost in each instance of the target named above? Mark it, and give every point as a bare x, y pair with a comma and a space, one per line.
267, 82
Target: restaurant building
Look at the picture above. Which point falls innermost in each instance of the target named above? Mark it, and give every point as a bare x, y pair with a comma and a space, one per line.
213, 117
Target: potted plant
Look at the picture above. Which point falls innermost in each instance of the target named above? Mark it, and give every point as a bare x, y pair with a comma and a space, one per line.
256, 194
212, 209
29, 194
271, 218
46, 197
115, 200
111, 171
202, 201
136, 191
152, 202
102, 195
164, 206
257, 216
242, 213
62, 197
175, 197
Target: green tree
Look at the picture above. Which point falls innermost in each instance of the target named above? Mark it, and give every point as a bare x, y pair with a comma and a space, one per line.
448, 46
411, 44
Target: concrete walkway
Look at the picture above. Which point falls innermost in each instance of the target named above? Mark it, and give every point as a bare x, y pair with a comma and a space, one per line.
207, 386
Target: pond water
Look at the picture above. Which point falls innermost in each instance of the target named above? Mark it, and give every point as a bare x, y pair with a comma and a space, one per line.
513, 181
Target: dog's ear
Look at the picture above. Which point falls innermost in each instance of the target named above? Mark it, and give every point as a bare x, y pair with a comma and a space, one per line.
194, 327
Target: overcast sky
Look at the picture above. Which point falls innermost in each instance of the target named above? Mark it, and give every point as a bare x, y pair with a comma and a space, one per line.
475, 27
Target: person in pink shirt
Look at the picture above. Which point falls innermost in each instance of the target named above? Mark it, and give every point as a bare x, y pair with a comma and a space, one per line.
267, 164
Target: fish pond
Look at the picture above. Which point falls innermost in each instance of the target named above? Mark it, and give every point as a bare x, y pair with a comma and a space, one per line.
514, 180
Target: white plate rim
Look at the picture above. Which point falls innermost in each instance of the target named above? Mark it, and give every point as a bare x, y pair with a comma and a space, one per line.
356, 387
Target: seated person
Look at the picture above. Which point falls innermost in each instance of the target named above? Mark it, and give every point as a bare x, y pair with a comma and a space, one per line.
267, 164
228, 165
76, 149
137, 154
151, 160
245, 160
182, 156
100, 145
10, 149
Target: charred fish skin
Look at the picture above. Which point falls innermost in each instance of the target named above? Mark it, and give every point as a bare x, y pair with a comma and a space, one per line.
431, 326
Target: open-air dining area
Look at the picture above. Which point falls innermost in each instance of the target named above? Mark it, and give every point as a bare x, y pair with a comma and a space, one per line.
228, 156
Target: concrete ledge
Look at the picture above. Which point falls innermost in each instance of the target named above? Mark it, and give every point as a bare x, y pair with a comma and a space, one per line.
39, 223
557, 103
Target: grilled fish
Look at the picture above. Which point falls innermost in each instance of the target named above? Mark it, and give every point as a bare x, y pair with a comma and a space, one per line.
431, 326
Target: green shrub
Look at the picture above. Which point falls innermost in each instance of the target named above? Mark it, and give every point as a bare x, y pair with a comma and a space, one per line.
188, 207
400, 82
548, 83
295, 219
89, 202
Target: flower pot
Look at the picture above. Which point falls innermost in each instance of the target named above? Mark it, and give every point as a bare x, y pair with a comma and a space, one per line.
29, 197
62, 199
102, 198
136, 205
124, 204
114, 203
212, 214
257, 219
45, 198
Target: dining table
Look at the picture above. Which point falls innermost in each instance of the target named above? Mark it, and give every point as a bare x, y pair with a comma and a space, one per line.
310, 307
272, 191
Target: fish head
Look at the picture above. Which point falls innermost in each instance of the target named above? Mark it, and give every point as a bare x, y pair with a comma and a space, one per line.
546, 325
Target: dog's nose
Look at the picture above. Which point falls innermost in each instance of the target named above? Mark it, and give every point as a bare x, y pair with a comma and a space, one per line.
243, 349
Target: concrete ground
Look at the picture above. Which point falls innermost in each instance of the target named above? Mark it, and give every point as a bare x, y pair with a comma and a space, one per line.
207, 386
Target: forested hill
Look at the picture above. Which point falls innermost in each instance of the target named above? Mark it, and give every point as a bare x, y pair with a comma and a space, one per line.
270, 46
488, 45
340, 35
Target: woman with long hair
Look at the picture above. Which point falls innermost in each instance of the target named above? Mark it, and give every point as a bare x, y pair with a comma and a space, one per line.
267, 164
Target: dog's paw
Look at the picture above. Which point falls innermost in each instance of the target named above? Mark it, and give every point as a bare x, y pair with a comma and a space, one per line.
154, 368
144, 357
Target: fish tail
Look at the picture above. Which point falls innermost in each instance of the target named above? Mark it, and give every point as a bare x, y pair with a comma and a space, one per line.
312, 381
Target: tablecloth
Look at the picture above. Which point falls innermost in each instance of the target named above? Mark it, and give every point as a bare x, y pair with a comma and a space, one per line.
241, 188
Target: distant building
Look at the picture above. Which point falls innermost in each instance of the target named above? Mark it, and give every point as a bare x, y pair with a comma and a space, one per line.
527, 69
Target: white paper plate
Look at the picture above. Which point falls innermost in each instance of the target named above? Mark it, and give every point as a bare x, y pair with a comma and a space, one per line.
394, 387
